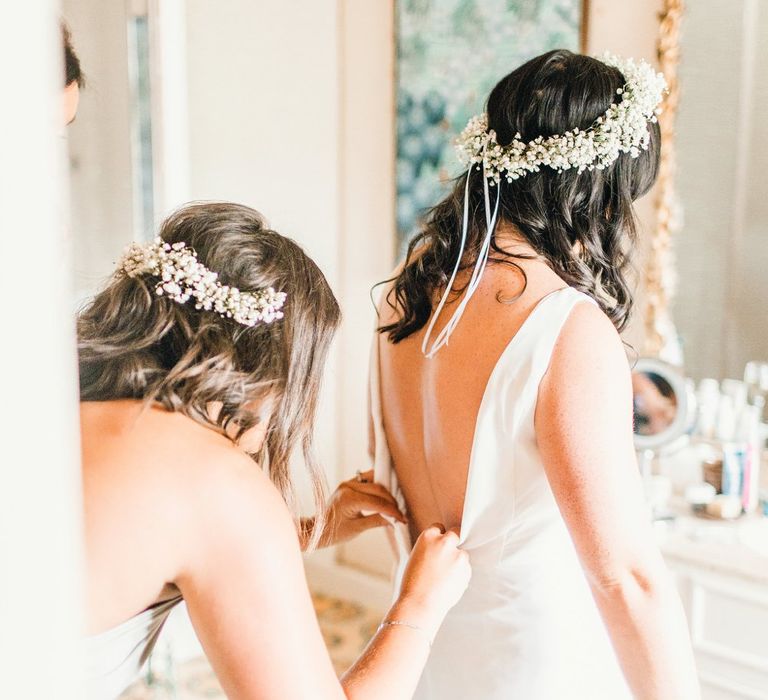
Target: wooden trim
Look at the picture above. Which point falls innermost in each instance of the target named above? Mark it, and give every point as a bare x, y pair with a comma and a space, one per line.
584, 28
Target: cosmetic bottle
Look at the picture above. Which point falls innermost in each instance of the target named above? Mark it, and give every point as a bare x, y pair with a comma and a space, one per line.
759, 403
726, 419
708, 398
734, 461
752, 379
749, 432
738, 391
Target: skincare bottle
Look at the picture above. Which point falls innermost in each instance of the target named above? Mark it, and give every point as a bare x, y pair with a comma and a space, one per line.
708, 398
749, 430
759, 403
734, 460
752, 378
726, 418
737, 390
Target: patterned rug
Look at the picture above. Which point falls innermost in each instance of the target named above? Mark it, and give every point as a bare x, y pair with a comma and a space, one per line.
346, 628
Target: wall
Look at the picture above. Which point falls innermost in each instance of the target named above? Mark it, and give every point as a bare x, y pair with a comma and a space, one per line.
99, 142
722, 247
264, 128
40, 506
629, 28
368, 235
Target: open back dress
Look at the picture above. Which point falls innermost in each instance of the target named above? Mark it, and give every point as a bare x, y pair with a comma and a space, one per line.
527, 627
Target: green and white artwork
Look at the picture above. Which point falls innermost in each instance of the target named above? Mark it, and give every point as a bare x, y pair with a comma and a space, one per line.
450, 53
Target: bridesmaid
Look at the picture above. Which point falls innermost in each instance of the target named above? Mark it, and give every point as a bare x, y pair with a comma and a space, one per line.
200, 367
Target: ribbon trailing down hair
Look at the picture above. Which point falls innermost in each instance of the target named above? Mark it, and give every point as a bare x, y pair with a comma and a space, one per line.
622, 128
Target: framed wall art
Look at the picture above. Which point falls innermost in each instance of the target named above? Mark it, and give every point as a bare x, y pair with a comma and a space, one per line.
449, 54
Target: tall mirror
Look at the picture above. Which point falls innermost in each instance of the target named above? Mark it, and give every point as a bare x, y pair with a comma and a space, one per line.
713, 215
296, 109
721, 248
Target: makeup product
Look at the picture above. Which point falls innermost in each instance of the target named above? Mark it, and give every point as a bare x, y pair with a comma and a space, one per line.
726, 418
708, 398
762, 383
698, 496
658, 491
712, 472
737, 390
752, 372
734, 460
725, 507
759, 403
749, 431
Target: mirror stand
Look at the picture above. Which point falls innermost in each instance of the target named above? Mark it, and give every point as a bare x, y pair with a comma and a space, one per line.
663, 412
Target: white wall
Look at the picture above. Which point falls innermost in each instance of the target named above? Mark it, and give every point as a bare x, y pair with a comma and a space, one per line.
264, 113
263, 101
40, 513
723, 156
630, 28
368, 233
100, 142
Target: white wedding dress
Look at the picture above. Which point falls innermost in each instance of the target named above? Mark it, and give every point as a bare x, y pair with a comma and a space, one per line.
527, 627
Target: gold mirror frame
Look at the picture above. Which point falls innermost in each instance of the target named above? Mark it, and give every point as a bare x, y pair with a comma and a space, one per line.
659, 268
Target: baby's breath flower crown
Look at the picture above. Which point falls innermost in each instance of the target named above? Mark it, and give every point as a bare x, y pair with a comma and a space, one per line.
183, 277
623, 128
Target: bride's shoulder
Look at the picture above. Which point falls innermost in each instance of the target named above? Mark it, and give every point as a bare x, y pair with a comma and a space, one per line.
589, 346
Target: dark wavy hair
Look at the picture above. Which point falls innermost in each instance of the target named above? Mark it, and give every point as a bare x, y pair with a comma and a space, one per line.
73, 72
581, 224
134, 344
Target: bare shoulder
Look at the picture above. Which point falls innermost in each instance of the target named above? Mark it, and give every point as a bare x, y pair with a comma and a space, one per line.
584, 412
165, 466
589, 347
587, 386
222, 491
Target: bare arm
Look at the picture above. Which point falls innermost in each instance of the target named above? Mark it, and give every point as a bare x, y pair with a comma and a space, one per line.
584, 431
249, 603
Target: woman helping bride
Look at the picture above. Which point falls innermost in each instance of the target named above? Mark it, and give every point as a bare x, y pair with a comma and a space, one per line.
200, 363
519, 432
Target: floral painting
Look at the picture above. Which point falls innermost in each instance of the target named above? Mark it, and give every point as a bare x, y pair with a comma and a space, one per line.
450, 53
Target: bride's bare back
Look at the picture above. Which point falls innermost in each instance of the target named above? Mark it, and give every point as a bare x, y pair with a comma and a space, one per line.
430, 406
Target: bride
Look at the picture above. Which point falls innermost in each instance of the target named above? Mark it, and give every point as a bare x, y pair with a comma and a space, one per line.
519, 432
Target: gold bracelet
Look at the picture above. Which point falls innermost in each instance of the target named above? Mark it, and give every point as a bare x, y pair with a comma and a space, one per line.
403, 623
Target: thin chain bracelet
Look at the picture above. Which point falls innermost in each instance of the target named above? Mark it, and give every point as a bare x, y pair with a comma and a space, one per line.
403, 623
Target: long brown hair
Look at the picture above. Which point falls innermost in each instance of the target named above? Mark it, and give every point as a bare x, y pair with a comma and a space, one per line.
581, 223
135, 344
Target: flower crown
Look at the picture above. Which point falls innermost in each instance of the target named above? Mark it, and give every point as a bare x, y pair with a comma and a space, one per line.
623, 128
183, 277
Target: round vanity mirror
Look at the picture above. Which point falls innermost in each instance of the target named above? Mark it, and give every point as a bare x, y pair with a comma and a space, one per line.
663, 412
663, 405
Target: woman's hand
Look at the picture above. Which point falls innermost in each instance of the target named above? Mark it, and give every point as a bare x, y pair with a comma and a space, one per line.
436, 577
356, 505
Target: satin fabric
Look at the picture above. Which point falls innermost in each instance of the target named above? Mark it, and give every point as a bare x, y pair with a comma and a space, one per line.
527, 627
115, 657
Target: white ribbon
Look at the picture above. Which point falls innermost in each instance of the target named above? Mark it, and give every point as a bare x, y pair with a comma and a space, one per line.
482, 260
